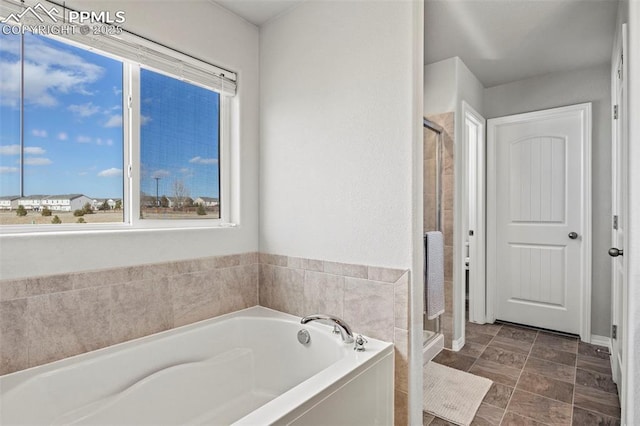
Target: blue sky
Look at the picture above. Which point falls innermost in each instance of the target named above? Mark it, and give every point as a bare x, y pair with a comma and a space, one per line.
73, 125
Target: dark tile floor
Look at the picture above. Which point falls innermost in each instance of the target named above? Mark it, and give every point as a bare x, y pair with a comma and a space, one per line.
539, 378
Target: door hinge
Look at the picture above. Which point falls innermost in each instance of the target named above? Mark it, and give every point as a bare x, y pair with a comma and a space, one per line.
615, 221
615, 112
614, 331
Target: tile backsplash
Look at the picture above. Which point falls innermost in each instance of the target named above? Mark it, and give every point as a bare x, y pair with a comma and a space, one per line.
44, 319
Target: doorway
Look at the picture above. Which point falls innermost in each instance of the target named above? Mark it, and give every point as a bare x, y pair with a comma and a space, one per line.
539, 221
473, 137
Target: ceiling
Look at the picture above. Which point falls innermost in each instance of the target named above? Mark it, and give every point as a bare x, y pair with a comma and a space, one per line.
499, 40
508, 40
257, 11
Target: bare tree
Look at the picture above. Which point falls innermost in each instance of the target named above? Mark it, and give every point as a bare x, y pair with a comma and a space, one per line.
180, 193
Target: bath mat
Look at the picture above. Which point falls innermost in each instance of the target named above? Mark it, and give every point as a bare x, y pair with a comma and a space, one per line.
452, 394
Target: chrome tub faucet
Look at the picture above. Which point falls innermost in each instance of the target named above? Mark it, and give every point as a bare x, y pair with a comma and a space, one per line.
342, 327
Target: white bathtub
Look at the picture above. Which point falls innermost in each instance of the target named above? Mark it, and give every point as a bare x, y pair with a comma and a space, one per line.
245, 368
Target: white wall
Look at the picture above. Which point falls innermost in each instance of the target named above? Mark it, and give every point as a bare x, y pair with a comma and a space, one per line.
335, 154
440, 87
470, 89
211, 33
447, 83
341, 141
567, 88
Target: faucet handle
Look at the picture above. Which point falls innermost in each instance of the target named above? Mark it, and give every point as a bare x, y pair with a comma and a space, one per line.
359, 343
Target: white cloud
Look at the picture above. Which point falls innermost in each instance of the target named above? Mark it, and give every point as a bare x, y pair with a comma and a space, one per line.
160, 174
84, 110
83, 139
144, 120
109, 142
114, 121
10, 150
34, 150
63, 136
15, 150
83, 173
200, 160
112, 172
50, 71
39, 133
4, 169
37, 161
117, 91
186, 172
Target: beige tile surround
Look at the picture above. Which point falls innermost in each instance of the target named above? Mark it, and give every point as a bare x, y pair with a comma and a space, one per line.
43, 319
374, 301
447, 122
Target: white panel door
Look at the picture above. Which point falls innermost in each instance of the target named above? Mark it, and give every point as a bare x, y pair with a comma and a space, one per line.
619, 209
539, 231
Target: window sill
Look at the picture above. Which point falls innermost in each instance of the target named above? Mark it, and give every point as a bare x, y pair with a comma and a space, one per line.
83, 229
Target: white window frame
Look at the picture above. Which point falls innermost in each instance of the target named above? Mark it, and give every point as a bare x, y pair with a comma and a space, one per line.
131, 155
133, 90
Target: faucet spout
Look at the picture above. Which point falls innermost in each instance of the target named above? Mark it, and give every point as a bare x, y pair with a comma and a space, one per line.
343, 327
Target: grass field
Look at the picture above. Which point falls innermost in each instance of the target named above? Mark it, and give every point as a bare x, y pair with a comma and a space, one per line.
35, 218
113, 216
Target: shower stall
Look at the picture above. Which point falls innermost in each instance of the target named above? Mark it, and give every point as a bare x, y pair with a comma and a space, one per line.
433, 166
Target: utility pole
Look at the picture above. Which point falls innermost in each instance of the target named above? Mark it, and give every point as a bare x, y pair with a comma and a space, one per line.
157, 198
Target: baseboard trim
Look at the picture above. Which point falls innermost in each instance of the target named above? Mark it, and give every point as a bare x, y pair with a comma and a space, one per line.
601, 341
457, 344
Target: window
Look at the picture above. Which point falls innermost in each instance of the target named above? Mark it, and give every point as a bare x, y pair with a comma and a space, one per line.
70, 150
179, 149
102, 131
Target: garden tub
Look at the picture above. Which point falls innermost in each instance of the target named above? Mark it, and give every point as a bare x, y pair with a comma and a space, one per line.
244, 368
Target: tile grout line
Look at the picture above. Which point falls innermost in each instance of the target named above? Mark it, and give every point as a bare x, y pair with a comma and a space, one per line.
476, 360
519, 376
539, 396
590, 410
542, 396
530, 356
478, 357
575, 380
474, 363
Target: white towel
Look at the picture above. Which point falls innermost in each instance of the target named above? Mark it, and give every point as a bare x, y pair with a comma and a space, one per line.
434, 274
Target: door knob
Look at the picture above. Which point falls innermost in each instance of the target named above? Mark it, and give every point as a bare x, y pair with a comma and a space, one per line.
573, 235
614, 252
